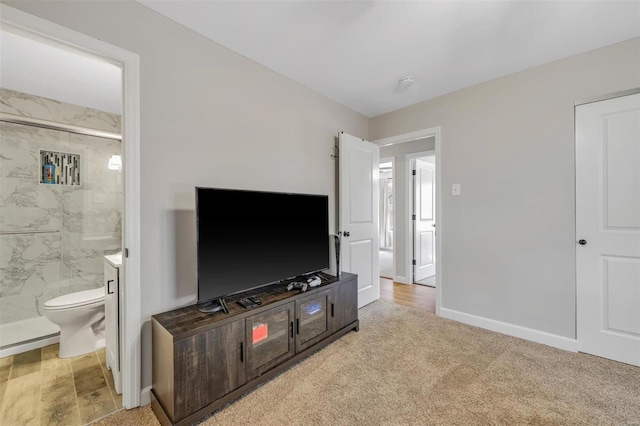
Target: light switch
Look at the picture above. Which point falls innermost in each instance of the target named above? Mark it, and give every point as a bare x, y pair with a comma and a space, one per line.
455, 189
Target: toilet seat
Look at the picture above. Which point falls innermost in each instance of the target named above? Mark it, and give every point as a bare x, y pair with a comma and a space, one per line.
74, 300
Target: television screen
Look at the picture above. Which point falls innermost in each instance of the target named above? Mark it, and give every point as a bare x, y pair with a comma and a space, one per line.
247, 239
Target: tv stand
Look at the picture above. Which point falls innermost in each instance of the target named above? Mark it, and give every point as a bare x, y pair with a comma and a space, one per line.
212, 306
203, 361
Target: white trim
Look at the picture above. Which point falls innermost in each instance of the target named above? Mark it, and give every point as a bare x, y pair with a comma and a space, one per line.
402, 279
145, 396
34, 27
434, 132
132, 321
537, 336
608, 96
439, 217
34, 344
406, 137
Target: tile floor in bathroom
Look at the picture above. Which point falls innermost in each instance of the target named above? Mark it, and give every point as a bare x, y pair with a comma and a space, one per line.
38, 388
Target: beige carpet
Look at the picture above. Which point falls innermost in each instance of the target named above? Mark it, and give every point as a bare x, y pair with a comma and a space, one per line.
409, 367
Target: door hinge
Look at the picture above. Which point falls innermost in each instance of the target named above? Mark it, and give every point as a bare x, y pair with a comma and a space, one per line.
126, 253
413, 172
413, 217
414, 262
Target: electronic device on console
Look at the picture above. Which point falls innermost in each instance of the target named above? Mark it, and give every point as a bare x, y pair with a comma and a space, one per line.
249, 302
295, 284
314, 281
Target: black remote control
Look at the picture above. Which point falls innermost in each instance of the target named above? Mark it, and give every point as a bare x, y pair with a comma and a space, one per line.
247, 303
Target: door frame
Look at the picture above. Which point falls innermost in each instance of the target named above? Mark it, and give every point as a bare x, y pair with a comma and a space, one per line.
410, 203
434, 132
36, 28
392, 160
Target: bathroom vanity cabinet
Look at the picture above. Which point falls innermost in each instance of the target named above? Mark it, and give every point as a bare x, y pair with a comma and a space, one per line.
113, 286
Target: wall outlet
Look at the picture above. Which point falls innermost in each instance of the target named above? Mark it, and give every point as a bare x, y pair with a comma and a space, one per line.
455, 189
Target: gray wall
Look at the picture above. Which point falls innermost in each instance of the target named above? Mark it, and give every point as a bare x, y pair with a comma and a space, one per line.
401, 194
509, 239
209, 117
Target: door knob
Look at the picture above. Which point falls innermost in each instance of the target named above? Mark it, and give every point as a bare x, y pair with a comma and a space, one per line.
346, 233
582, 242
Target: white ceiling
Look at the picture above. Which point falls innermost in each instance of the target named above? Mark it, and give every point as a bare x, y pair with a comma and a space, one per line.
69, 76
355, 52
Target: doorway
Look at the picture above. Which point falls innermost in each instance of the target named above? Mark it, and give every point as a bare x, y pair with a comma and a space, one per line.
30, 26
404, 148
387, 221
76, 212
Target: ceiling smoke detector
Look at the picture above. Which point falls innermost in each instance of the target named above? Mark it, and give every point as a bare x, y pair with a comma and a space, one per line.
406, 81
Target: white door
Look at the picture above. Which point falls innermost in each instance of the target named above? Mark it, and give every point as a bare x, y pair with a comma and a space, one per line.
424, 237
359, 197
608, 228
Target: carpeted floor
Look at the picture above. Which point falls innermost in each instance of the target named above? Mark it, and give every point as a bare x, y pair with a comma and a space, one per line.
407, 366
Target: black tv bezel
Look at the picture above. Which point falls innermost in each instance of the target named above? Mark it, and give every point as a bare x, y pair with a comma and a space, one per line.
284, 279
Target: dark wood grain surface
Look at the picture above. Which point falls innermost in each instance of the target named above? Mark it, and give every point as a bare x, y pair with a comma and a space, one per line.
208, 366
343, 301
202, 359
277, 347
310, 329
188, 321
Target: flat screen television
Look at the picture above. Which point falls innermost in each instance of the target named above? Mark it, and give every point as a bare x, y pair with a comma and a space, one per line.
249, 239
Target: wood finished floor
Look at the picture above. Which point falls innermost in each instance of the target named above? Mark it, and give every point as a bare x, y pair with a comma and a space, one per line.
414, 295
38, 388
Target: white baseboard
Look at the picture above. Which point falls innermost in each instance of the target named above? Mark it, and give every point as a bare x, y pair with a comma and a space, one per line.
537, 336
145, 396
24, 347
402, 280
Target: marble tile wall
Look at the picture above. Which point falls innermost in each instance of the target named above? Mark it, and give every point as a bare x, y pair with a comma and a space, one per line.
27, 105
83, 222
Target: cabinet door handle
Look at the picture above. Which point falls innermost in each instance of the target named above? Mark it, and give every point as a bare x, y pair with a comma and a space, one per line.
291, 326
241, 352
332, 310
109, 287
297, 325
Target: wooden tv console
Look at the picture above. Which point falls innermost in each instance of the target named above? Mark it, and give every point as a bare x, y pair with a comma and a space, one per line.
203, 361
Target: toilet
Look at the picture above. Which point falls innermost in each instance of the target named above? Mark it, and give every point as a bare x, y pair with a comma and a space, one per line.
80, 317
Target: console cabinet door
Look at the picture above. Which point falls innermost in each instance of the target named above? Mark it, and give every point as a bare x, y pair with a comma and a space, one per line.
208, 366
312, 321
269, 337
343, 305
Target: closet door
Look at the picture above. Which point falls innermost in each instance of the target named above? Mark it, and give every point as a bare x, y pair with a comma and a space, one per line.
608, 228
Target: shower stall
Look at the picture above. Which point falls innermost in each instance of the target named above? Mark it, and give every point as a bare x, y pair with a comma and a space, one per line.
60, 207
